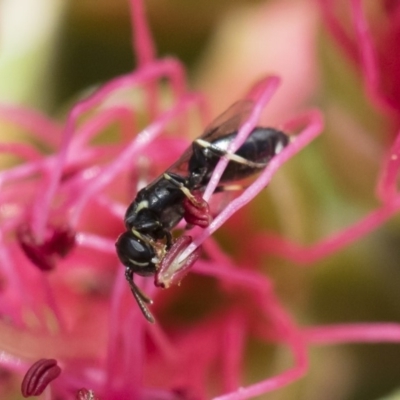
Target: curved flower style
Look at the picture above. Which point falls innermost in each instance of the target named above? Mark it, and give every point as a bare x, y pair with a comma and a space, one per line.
373, 46
61, 209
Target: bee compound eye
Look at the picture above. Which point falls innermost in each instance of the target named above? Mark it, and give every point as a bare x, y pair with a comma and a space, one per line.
134, 252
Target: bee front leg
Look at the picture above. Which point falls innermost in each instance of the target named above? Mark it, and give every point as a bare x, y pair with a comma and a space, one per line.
139, 296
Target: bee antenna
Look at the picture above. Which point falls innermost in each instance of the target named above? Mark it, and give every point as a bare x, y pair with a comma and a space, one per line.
139, 296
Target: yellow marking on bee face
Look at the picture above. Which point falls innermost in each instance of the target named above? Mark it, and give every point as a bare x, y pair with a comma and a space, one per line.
139, 264
142, 237
143, 204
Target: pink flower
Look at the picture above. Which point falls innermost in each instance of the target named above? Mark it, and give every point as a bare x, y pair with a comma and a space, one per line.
65, 300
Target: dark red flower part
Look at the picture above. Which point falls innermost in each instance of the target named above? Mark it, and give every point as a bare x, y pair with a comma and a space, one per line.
58, 242
39, 375
391, 6
171, 270
185, 394
197, 210
85, 394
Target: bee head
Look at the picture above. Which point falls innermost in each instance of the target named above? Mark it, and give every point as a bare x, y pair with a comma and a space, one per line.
136, 254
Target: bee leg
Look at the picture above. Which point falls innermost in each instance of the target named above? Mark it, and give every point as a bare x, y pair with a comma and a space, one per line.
139, 296
181, 186
168, 239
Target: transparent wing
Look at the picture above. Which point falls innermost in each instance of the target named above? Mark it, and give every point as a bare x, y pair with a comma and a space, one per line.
228, 122
180, 167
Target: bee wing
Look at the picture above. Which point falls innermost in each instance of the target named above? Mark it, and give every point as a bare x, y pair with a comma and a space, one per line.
180, 167
229, 121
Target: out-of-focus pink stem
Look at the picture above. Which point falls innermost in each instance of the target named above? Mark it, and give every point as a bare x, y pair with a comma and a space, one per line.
164, 345
233, 350
336, 29
368, 58
41, 165
112, 359
25, 151
95, 242
42, 127
97, 123
257, 282
12, 362
14, 279
359, 49
367, 53
141, 36
284, 379
52, 303
353, 333
133, 356
386, 185
308, 255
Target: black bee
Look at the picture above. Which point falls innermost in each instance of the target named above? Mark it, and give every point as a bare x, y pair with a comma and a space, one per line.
177, 193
